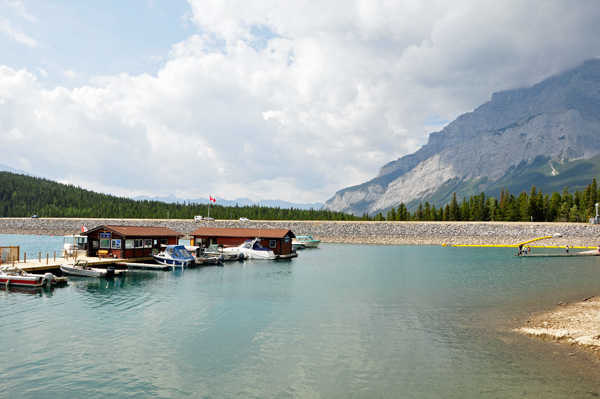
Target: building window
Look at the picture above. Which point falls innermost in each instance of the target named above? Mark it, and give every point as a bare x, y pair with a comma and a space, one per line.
139, 243
272, 244
105, 243
115, 244
164, 241
147, 243
129, 244
95, 244
286, 239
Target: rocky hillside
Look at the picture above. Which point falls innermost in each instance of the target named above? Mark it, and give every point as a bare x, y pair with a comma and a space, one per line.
547, 135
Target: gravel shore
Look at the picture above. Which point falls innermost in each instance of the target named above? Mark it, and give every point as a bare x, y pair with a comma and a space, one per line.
574, 324
393, 233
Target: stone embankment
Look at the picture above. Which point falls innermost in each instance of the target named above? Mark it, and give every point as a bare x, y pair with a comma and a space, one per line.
409, 233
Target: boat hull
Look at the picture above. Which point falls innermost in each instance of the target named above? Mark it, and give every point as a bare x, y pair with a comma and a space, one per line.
23, 281
83, 272
173, 262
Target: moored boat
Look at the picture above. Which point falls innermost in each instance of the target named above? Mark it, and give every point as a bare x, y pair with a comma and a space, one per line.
175, 255
308, 241
82, 269
253, 249
13, 275
297, 244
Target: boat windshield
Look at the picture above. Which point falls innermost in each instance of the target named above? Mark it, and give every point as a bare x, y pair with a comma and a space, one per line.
184, 253
169, 252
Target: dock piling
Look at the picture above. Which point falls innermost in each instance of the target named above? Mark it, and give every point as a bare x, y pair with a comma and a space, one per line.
47, 256
24, 257
40, 257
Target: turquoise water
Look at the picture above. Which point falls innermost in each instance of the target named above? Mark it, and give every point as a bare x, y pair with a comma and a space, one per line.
340, 321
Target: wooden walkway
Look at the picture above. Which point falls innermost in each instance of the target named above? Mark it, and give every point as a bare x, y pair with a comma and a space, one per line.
51, 264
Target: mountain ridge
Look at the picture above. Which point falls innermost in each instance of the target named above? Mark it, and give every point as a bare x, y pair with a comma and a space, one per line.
559, 117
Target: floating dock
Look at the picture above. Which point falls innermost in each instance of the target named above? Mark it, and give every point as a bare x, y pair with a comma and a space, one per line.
564, 255
143, 266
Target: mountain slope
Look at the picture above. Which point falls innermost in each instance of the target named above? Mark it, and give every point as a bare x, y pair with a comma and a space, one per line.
557, 119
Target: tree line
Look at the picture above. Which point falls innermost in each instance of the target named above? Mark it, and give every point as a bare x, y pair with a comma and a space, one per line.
535, 206
23, 196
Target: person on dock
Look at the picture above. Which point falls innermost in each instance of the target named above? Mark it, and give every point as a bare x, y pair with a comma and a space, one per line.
520, 250
598, 249
529, 250
567, 247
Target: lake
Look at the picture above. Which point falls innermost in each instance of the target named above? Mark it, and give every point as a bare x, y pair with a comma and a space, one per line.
339, 321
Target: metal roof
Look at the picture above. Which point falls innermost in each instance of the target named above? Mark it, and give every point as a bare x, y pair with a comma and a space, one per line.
241, 233
137, 231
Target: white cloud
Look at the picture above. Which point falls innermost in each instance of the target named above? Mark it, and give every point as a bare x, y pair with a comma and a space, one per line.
42, 72
289, 100
20, 9
71, 74
15, 33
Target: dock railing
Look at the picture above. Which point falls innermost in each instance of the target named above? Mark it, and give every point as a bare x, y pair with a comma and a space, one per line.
10, 254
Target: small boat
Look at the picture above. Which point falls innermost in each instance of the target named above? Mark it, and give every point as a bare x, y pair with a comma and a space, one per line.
297, 244
308, 241
81, 268
218, 250
12, 275
253, 249
201, 259
175, 255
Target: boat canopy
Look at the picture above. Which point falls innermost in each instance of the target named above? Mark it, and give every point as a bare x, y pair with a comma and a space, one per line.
178, 251
255, 245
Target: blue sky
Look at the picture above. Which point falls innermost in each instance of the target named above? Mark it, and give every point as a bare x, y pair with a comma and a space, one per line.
259, 98
94, 37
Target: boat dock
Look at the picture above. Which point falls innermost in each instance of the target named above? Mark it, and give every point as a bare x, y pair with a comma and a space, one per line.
54, 264
562, 255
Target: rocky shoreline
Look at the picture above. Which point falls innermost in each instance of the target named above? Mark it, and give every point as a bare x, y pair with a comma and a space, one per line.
392, 233
575, 324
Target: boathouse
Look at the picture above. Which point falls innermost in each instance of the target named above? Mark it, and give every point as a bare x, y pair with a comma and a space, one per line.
277, 240
128, 241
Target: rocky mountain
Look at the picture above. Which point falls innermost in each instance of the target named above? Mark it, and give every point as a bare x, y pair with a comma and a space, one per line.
547, 135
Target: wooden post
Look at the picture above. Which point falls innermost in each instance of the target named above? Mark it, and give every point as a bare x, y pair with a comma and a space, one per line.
54, 256
47, 255
24, 257
40, 257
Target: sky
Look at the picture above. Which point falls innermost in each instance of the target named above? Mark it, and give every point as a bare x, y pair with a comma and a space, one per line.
261, 99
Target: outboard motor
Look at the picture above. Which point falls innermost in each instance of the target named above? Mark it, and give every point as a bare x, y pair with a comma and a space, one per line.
110, 271
221, 259
241, 257
48, 278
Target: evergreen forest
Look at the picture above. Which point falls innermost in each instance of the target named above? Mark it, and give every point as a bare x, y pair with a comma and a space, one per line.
535, 206
23, 196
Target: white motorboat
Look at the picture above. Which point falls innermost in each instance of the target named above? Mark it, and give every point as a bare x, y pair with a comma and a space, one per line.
253, 250
308, 241
81, 268
218, 250
297, 244
13, 275
175, 255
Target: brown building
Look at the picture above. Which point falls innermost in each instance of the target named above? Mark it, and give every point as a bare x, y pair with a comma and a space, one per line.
277, 240
128, 241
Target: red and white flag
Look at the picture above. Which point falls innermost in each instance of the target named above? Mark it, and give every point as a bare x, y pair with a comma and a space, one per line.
83, 229
213, 200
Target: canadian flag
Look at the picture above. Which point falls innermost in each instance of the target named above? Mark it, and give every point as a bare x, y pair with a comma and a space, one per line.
83, 229
213, 200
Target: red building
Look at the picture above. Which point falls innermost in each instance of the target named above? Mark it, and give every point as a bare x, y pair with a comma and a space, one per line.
277, 240
128, 241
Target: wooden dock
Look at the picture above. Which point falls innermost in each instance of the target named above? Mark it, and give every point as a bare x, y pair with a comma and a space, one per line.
50, 264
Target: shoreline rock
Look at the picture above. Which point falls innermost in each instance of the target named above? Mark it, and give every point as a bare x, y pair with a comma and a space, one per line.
391, 233
574, 324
